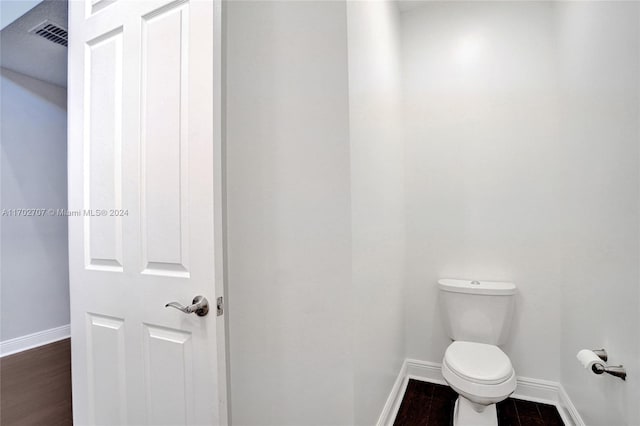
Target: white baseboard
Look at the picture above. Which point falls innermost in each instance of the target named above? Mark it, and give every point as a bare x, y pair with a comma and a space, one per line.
567, 410
536, 390
527, 389
425, 371
391, 407
30, 341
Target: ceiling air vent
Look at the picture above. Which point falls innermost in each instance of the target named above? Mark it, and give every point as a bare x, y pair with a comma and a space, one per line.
51, 32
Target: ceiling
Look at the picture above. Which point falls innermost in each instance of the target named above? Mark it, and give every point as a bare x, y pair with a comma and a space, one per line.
405, 5
30, 54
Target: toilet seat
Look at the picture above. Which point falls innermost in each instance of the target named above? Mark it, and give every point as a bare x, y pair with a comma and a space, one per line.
482, 373
478, 362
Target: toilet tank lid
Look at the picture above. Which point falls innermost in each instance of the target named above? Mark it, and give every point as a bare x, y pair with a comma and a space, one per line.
477, 287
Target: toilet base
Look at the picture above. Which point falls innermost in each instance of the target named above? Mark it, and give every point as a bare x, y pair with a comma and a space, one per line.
467, 413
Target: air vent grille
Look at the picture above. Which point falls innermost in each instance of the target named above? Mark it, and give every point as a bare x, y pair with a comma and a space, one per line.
51, 32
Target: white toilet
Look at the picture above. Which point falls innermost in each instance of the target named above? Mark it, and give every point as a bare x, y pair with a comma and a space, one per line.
477, 315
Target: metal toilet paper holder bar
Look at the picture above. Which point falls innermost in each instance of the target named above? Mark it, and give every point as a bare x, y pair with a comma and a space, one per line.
614, 370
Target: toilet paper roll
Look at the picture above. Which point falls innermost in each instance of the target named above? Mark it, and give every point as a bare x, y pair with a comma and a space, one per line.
588, 358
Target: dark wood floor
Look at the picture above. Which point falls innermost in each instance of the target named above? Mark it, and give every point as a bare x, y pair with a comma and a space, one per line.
429, 404
35, 386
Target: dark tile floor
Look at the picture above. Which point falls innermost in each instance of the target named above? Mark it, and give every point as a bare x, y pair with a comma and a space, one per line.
429, 404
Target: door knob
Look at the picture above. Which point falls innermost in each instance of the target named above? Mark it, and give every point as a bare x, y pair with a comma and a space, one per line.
200, 306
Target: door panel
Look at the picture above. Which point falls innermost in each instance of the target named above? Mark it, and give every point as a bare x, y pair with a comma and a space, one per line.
103, 150
145, 146
167, 391
107, 370
93, 6
165, 140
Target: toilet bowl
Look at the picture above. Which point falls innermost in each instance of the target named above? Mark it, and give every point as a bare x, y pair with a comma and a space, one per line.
482, 376
477, 315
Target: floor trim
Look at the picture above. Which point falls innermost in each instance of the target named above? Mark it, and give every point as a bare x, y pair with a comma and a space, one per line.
30, 341
529, 389
566, 408
391, 407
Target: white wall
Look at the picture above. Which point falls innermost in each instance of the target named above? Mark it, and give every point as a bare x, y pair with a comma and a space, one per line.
34, 261
483, 165
288, 205
599, 64
523, 126
377, 202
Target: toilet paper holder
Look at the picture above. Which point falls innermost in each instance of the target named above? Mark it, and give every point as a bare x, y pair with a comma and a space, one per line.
602, 354
614, 370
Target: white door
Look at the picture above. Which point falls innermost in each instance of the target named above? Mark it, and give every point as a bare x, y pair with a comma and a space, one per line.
145, 180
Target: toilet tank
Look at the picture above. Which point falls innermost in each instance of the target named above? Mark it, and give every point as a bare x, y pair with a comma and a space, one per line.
477, 311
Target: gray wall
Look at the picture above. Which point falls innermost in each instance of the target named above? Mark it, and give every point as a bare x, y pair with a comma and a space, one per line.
483, 165
289, 235
599, 64
377, 202
34, 261
10, 10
